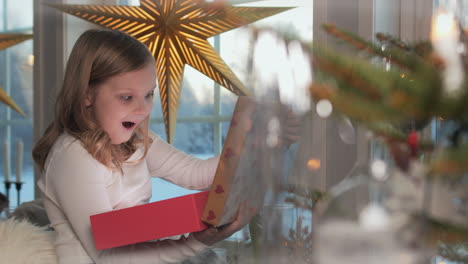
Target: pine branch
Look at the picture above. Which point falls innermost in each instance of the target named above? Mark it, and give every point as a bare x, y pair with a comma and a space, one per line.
346, 74
412, 99
422, 49
454, 108
357, 74
356, 107
395, 56
438, 231
394, 42
389, 131
304, 197
255, 231
451, 163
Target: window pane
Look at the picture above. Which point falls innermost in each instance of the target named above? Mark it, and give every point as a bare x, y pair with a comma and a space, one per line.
16, 74
296, 21
19, 14
464, 13
196, 98
2, 155
224, 131
185, 140
158, 128
197, 94
236, 44
129, 2
227, 101
195, 138
192, 138
20, 75
3, 80
23, 132
2, 12
157, 110
164, 190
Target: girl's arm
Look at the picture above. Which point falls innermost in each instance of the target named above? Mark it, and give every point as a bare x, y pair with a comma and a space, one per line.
165, 161
76, 183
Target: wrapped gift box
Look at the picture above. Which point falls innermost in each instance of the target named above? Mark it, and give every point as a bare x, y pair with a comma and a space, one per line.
219, 210
247, 165
150, 221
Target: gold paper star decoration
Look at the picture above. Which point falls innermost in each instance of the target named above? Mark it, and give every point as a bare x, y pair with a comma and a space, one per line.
176, 32
6, 41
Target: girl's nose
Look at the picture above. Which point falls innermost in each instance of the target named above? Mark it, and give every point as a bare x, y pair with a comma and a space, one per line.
143, 107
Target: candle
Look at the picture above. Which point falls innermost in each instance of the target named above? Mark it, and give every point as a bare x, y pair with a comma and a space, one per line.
19, 159
6, 158
445, 36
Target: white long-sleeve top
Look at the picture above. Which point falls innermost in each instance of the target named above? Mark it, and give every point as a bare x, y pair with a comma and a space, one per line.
75, 186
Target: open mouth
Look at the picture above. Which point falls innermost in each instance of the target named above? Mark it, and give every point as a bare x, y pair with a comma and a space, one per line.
128, 124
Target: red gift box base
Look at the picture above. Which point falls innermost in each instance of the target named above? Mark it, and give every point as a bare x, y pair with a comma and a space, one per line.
150, 221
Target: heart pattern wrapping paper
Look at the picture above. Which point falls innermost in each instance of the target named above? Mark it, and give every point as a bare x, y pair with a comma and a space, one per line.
247, 166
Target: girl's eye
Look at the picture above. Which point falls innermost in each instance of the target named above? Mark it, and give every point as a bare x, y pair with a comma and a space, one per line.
150, 95
126, 98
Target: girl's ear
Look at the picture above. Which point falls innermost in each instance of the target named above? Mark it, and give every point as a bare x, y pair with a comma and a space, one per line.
88, 100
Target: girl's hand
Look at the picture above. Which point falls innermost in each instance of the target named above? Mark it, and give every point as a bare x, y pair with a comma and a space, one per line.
212, 235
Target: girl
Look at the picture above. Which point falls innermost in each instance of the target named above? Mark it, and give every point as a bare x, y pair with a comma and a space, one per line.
98, 154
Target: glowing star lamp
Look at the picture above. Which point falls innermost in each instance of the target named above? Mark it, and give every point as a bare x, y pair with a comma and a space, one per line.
176, 32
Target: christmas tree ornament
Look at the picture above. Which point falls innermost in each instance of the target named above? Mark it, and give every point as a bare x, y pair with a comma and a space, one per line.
378, 170
445, 37
413, 142
324, 108
346, 130
176, 33
374, 218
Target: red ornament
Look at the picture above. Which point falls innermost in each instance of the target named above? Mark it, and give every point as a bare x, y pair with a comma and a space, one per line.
413, 141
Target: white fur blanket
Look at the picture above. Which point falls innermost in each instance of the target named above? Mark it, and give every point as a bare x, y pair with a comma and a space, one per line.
24, 243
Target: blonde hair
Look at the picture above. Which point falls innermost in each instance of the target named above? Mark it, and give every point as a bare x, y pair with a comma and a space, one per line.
96, 56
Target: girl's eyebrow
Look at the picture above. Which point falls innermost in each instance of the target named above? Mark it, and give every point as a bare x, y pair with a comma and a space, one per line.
121, 90
131, 90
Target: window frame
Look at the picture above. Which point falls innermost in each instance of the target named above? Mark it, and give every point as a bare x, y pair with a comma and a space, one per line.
7, 120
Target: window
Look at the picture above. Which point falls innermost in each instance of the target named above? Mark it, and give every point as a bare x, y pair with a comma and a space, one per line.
205, 108
16, 75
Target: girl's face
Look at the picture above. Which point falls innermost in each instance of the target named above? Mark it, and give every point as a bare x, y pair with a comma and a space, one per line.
123, 102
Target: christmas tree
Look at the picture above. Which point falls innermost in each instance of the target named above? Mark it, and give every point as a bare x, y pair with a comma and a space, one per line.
396, 90
418, 206
415, 204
